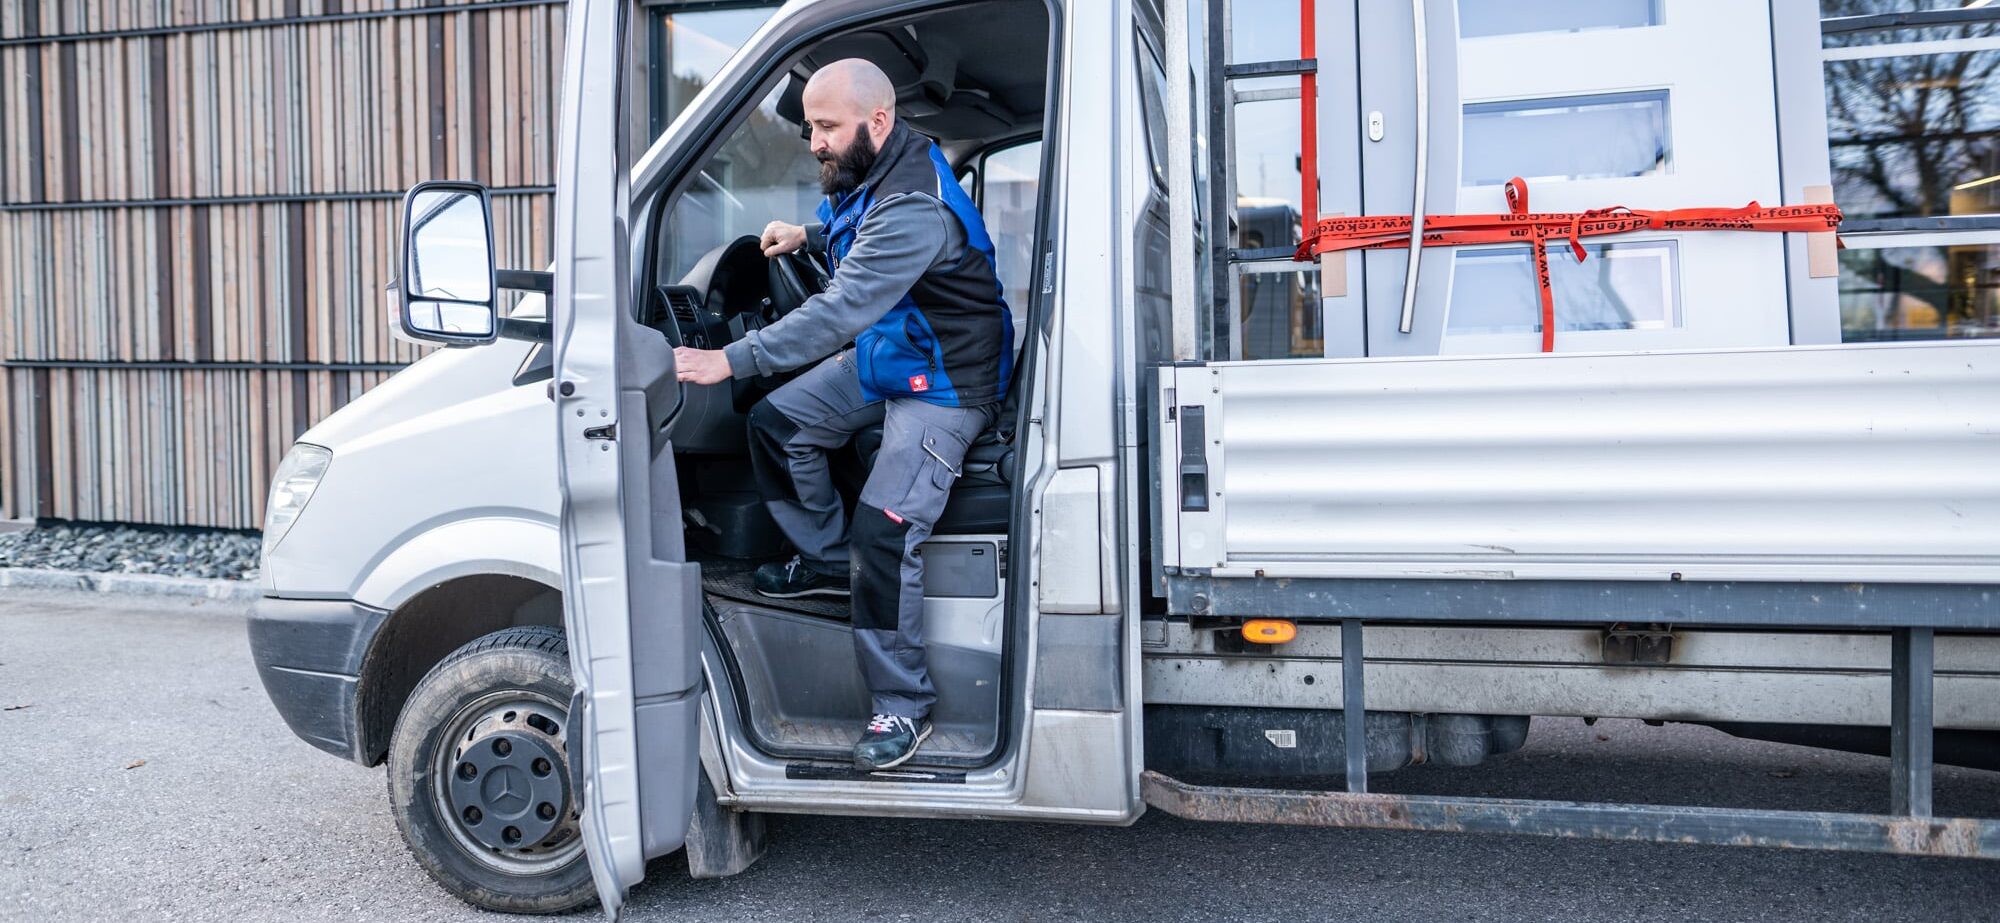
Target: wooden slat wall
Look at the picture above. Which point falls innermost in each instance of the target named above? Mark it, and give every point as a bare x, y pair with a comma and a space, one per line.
355, 106
158, 446
25, 18
173, 202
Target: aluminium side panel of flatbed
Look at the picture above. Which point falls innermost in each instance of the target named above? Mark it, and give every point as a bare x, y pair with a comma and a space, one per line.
1808, 465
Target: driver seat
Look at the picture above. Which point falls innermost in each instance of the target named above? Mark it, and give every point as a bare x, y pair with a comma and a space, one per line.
981, 501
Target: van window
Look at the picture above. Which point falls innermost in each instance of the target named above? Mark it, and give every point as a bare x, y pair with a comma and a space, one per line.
1153, 96
1010, 186
685, 45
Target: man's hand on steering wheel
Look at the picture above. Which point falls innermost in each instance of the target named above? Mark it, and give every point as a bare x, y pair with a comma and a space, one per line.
781, 238
795, 273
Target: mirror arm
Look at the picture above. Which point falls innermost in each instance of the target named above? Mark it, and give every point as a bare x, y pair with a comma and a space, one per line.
525, 280
517, 328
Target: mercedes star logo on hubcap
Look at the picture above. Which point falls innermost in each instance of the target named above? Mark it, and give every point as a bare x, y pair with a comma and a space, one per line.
506, 791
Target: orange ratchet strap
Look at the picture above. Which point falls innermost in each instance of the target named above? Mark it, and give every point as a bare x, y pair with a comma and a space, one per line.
1519, 225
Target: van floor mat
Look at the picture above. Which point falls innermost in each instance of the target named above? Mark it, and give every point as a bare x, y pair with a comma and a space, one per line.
837, 738
731, 578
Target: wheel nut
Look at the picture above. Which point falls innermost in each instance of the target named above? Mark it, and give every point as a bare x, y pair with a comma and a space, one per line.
512, 835
502, 747
541, 766
467, 771
473, 816
546, 811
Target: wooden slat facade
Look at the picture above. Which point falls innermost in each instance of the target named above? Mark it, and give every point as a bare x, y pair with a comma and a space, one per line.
197, 224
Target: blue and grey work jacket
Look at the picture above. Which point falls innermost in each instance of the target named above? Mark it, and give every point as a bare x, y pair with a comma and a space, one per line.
913, 286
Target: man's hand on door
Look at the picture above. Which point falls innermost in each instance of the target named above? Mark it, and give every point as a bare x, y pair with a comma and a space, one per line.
701, 366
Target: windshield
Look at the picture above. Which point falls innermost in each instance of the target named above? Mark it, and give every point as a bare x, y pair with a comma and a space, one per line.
763, 173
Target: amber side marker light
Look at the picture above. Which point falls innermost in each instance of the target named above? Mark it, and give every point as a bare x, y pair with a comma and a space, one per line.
1269, 631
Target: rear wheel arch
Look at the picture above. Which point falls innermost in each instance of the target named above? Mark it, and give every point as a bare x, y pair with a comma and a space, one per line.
426, 629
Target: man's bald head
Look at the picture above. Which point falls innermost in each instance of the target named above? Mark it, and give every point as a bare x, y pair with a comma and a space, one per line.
850, 107
855, 84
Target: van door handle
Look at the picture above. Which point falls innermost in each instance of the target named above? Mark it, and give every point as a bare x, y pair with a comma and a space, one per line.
1194, 459
1423, 139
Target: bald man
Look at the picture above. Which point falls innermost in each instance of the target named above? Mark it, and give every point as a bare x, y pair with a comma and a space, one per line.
914, 290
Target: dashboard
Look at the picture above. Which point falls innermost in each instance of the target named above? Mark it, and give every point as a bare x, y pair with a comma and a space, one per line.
722, 297
719, 300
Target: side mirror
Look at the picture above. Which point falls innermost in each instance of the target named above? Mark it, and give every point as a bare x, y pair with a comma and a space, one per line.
447, 293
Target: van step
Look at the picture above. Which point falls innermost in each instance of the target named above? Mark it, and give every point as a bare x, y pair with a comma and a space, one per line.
837, 772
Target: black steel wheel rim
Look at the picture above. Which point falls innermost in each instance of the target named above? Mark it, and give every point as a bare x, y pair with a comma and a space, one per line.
501, 783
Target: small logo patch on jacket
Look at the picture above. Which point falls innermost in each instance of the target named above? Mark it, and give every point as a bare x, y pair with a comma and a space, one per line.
920, 383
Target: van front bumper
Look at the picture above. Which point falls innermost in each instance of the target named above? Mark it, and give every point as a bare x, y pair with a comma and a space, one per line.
309, 654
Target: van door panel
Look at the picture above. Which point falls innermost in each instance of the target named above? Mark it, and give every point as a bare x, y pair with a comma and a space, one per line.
629, 598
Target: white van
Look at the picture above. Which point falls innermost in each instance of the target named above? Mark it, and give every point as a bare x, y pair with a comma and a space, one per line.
519, 571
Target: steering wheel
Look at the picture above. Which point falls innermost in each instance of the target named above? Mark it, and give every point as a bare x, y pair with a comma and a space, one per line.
794, 277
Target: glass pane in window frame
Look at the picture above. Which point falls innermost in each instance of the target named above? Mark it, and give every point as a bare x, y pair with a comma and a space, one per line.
1950, 168
1280, 315
1520, 291
1848, 36
1535, 112
1266, 157
1494, 18
1263, 30
1920, 287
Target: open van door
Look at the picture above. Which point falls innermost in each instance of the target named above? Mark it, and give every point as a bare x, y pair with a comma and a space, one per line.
630, 599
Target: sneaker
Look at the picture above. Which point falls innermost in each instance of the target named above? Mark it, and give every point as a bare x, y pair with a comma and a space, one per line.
793, 579
890, 741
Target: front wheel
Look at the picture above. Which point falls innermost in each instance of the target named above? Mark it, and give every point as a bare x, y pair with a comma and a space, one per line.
479, 780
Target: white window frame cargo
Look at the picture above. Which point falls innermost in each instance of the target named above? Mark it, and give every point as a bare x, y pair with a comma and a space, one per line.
1750, 290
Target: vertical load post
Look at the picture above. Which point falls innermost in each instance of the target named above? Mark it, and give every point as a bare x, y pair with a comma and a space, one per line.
1911, 660
1353, 705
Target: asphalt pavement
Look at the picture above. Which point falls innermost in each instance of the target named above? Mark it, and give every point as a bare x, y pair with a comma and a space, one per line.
146, 777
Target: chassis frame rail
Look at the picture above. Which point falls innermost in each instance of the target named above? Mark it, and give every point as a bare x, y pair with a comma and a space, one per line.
1961, 837
1910, 614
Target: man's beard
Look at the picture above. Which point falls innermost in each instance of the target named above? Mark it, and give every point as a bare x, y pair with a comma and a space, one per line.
843, 171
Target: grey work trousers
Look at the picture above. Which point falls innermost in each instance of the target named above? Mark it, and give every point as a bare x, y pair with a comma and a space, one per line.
923, 448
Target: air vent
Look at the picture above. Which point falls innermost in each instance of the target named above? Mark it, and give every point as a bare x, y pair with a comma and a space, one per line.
683, 303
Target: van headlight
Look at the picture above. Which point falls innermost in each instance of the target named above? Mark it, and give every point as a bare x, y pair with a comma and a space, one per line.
298, 476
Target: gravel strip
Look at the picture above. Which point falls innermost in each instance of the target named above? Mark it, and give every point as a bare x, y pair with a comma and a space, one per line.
105, 548
141, 585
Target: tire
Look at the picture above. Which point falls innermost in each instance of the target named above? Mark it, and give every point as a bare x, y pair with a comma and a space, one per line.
514, 686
